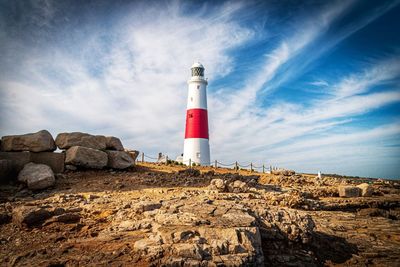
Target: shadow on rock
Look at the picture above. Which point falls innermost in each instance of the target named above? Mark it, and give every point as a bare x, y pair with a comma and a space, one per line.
332, 248
322, 249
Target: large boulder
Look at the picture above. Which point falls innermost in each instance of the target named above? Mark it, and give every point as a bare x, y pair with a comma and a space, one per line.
119, 159
35, 142
52, 159
349, 191
18, 160
86, 157
366, 189
113, 143
37, 176
68, 140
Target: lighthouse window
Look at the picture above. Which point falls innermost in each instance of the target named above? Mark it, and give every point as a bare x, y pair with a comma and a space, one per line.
198, 86
197, 71
191, 99
198, 154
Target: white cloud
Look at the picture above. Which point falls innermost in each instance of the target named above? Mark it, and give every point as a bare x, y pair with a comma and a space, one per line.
140, 92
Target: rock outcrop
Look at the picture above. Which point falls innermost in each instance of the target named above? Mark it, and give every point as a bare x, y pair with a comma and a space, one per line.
366, 189
349, 191
86, 157
34, 142
37, 176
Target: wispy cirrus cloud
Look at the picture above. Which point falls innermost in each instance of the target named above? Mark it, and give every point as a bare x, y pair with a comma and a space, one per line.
124, 73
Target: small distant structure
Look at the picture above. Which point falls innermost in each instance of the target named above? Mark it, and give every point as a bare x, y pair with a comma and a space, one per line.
319, 175
179, 158
161, 158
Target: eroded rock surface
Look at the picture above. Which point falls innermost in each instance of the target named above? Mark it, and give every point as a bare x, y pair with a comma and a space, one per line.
157, 215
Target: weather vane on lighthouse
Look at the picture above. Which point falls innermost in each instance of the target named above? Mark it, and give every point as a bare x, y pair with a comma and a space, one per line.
196, 146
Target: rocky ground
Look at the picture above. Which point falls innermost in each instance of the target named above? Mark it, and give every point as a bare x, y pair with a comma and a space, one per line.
157, 215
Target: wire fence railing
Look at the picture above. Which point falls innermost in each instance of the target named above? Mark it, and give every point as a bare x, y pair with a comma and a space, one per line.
264, 168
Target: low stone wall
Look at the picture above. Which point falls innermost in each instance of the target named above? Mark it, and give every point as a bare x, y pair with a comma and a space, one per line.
79, 150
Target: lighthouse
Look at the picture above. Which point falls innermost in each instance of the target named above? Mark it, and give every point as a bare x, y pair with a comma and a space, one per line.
196, 145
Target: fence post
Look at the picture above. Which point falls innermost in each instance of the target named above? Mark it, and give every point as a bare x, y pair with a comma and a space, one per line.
236, 167
251, 166
216, 164
263, 168
190, 163
142, 157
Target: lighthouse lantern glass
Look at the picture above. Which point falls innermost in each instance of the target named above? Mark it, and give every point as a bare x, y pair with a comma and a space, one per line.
197, 71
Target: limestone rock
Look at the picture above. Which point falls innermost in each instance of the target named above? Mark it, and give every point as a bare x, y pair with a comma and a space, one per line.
287, 223
349, 191
143, 206
30, 215
35, 142
188, 251
217, 184
132, 153
52, 159
86, 157
283, 172
68, 140
238, 187
37, 176
18, 160
366, 189
119, 159
67, 218
113, 143
238, 218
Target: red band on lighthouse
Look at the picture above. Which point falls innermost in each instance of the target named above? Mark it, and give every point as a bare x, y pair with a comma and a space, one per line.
196, 123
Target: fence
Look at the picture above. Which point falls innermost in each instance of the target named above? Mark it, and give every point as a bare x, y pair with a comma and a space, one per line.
216, 164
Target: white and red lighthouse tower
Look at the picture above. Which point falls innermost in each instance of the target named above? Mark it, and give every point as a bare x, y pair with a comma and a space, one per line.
196, 146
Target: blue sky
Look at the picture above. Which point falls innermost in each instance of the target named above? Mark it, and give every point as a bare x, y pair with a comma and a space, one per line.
307, 85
